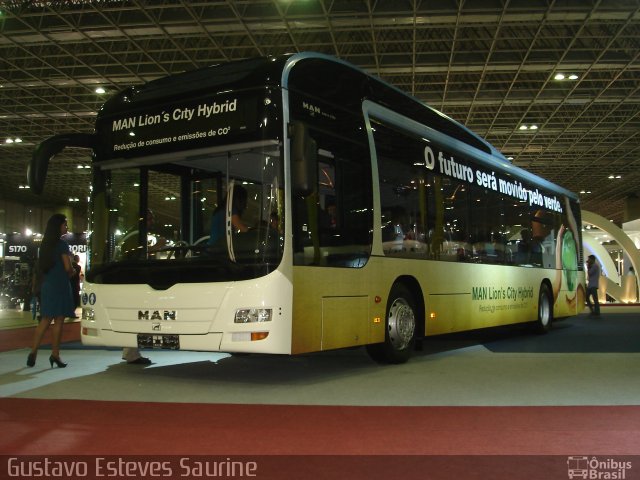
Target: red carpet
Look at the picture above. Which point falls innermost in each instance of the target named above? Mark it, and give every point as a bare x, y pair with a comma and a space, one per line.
315, 442
65, 427
22, 337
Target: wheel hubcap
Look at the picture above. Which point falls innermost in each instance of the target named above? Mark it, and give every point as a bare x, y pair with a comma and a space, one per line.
402, 324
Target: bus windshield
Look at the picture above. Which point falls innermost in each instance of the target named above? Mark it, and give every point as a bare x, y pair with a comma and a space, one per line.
214, 217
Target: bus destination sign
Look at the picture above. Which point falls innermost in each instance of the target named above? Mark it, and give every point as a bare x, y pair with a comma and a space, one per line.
184, 126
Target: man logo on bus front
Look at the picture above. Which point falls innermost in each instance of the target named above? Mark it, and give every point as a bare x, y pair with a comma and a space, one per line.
156, 315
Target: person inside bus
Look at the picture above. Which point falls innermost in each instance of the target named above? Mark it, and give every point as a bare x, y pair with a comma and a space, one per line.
483, 247
130, 244
529, 249
543, 238
274, 222
328, 223
329, 216
155, 241
239, 205
498, 246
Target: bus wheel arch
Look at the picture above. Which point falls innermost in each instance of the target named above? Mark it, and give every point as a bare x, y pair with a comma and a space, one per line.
402, 325
544, 321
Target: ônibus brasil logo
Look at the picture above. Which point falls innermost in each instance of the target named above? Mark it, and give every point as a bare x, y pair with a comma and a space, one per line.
596, 468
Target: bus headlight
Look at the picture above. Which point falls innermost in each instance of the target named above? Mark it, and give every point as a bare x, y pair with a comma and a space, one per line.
251, 315
88, 314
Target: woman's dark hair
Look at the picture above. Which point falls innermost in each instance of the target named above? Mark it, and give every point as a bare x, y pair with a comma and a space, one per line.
240, 196
47, 258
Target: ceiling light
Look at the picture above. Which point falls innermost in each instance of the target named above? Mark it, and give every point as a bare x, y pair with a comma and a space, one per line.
523, 127
533, 127
100, 90
562, 76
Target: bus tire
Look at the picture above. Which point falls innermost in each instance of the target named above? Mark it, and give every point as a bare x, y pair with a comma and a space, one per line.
400, 328
545, 309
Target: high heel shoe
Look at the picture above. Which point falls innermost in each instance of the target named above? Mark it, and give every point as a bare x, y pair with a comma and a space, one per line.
59, 363
31, 360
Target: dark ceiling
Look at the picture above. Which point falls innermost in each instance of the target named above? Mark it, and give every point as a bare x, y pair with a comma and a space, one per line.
491, 64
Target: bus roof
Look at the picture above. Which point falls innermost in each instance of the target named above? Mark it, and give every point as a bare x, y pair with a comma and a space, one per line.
236, 74
416, 110
277, 72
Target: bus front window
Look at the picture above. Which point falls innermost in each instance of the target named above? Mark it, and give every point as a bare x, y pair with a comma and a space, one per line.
171, 219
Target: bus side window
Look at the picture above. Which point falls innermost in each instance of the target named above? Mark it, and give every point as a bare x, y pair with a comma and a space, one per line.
345, 213
451, 206
487, 226
333, 225
424, 215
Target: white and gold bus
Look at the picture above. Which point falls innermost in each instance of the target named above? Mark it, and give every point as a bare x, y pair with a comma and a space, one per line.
297, 204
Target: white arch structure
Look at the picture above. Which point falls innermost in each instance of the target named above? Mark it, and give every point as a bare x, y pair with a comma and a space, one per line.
613, 280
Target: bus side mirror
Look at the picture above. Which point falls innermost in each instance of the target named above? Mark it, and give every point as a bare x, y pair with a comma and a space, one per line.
304, 155
39, 164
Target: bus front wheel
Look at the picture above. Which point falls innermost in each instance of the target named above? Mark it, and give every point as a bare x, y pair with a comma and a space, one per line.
545, 309
400, 328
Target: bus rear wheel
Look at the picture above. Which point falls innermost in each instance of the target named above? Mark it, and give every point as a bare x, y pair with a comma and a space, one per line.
400, 328
545, 309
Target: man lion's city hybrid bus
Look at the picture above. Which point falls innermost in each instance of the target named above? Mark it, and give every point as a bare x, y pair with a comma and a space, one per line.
296, 204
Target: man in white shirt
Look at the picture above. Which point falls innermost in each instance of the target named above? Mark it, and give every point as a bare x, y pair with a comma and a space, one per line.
593, 275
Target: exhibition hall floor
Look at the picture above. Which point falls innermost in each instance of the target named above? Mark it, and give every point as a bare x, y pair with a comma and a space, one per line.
503, 391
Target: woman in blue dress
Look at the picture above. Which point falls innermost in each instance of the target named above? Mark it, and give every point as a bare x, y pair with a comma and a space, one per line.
56, 300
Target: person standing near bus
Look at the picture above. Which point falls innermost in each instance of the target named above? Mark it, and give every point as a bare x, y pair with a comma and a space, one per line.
75, 282
56, 301
593, 273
